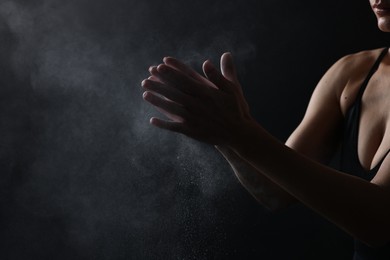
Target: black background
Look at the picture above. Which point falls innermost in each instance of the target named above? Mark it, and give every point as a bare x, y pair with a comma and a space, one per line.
84, 176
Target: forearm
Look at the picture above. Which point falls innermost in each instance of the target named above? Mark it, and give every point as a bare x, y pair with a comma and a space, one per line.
259, 186
355, 205
214, 111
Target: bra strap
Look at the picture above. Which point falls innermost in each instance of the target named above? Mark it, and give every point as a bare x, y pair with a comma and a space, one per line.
372, 71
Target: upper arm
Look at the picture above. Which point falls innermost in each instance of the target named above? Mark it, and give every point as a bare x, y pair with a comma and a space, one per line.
318, 135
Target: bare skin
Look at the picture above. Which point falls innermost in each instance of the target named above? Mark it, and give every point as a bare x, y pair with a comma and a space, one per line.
212, 109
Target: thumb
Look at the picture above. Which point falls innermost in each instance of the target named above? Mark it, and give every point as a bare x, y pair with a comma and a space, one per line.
215, 76
227, 67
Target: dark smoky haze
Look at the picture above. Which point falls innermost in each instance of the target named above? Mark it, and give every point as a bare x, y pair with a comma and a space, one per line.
84, 175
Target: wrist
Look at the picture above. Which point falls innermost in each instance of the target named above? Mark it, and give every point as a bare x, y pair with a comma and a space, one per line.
245, 134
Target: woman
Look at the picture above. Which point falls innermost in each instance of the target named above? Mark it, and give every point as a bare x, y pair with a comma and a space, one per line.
349, 107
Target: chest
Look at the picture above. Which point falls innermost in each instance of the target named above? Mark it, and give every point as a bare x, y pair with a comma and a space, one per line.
373, 123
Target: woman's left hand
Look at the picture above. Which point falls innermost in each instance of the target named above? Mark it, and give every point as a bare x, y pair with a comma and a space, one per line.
210, 109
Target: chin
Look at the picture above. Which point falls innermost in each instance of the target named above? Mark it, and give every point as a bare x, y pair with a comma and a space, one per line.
384, 24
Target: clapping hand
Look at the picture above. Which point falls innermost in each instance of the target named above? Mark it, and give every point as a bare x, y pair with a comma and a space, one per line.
209, 108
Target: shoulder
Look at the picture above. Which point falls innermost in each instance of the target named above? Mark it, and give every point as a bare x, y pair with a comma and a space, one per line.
344, 78
351, 71
353, 65
359, 61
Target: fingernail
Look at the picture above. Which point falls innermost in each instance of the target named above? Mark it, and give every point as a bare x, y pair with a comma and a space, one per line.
210, 66
162, 68
152, 68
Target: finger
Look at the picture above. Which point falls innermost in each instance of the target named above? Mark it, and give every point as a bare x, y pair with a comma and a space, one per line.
174, 118
151, 68
227, 67
164, 104
229, 71
154, 74
174, 63
178, 80
166, 91
216, 77
153, 78
168, 125
178, 65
